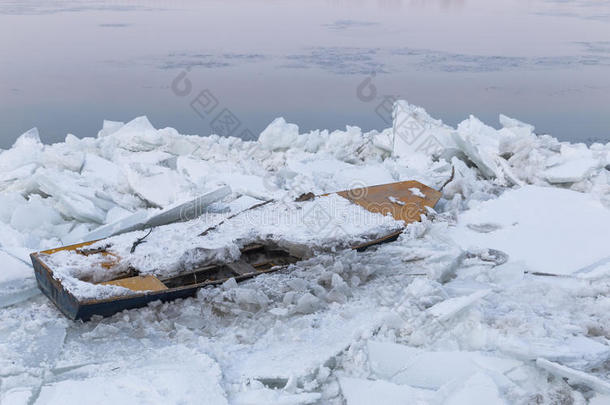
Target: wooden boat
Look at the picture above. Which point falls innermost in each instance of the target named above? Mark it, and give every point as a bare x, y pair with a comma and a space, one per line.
396, 199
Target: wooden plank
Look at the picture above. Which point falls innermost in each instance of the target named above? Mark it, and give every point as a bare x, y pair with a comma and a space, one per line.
69, 247
139, 283
395, 199
391, 237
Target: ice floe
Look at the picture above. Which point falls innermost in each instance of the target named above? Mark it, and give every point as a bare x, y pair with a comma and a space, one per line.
499, 296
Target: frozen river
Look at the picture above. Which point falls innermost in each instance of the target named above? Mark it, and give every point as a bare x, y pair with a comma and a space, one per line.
231, 67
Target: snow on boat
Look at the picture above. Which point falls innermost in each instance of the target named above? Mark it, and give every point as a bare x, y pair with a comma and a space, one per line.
106, 276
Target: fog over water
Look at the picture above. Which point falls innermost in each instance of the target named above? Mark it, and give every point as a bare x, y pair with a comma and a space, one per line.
230, 67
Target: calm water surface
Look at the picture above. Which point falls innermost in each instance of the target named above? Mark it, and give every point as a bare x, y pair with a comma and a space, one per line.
230, 67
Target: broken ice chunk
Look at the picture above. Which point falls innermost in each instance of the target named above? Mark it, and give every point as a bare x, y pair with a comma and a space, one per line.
576, 351
426, 369
414, 132
335, 175
571, 171
172, 375
485, 160
8, 204
449, 308
512, 123
117, 227
29, 139
358, 391
308, 304
109, 127
575, 376
19, 173
103, 171
34, 214
279, 135
195, 170
63, 156
17, 282
74, 198
552, 230
146, 219
35, 342
16, 291
384, 140
25, 151
597, 270
311, 345
157, 185
13, 269
480, 143
138, 135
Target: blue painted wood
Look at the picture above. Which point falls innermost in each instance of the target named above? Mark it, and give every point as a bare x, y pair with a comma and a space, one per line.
74, 309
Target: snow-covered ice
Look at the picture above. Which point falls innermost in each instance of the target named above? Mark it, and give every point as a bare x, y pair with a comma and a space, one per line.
150, 379
500, 295
551, 230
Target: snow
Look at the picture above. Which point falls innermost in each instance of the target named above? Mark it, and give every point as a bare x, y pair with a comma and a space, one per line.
395, 200
417, 192
460, 309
